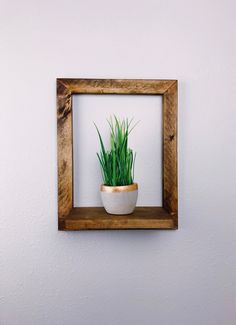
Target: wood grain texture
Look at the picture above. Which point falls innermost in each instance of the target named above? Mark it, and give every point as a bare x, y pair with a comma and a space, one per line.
64, 145
117, 86
170, 191
97, 218
70, 218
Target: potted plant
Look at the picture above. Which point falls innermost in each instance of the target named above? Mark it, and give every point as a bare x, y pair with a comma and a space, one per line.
118, 192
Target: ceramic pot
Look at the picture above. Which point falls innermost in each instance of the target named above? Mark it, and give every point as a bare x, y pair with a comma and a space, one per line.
119, 199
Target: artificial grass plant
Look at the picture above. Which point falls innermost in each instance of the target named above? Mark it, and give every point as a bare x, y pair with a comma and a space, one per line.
117, 163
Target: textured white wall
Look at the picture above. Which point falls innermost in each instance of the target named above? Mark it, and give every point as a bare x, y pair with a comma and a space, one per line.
184, 277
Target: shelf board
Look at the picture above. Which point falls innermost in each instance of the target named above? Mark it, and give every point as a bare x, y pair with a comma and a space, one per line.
93, 218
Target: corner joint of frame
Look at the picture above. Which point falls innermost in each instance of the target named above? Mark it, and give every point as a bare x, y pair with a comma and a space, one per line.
171, 86
62, 87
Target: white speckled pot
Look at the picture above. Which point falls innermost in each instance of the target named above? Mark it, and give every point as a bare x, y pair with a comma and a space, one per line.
119, 199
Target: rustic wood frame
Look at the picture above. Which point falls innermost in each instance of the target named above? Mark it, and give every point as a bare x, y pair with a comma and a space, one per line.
70, 218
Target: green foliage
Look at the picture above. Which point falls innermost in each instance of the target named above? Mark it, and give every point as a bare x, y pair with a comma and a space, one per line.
117, 164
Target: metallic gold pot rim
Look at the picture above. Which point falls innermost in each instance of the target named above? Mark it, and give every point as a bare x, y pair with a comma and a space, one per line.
123, 188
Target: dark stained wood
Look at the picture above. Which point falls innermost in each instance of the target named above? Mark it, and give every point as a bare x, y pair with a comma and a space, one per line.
117, 86
97, 218
70, 218
64, 147
170, 192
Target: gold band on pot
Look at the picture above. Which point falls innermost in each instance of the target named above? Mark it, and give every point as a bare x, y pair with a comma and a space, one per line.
124, 188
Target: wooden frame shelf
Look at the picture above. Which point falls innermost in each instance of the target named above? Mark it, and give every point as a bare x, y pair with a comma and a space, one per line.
88, 218
96, 218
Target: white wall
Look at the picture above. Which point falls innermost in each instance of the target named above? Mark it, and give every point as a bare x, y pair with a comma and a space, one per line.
183, 277
145, 140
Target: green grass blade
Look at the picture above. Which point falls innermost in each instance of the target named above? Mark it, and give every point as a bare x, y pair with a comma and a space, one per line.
117, 164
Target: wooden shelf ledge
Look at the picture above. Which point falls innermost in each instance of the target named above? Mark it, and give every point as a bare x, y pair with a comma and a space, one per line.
93, 218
